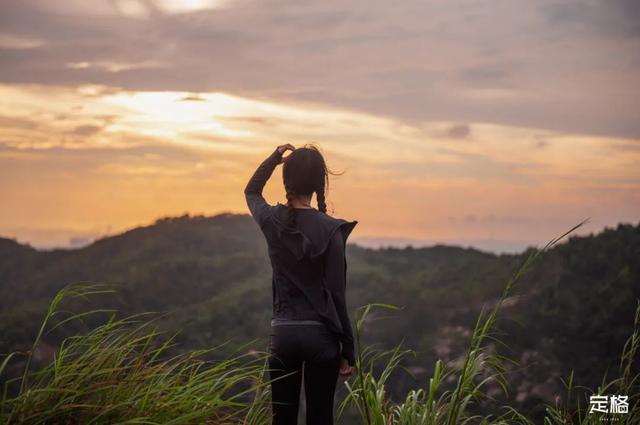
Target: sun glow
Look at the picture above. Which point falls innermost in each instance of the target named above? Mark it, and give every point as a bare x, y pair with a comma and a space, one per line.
168, 114
190, 5
99, 156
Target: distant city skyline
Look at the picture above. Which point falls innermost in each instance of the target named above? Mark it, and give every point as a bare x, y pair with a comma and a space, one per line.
495, 125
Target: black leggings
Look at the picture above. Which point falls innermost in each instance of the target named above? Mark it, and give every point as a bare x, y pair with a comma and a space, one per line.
318, 348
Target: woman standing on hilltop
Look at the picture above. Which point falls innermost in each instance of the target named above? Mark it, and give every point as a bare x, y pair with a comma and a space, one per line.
310, 326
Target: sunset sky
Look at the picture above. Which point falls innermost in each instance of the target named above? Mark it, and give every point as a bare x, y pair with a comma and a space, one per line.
496, 124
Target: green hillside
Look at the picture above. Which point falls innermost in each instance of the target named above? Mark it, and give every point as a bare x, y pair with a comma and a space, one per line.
572, 310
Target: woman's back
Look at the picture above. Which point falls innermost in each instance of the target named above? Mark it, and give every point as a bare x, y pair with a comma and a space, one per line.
306, 249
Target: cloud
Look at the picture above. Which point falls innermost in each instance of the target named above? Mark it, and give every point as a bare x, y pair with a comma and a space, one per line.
630, 146
459, 131
489, 75
192, 98
421, 61
617, 18
86, 130
16, 42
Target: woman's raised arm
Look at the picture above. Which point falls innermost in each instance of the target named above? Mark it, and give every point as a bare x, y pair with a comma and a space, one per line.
258, 206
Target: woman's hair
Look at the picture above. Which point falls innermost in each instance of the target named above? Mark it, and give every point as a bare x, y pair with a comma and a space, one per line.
304, 172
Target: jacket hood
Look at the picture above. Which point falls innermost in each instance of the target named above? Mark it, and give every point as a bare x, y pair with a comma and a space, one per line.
314, 242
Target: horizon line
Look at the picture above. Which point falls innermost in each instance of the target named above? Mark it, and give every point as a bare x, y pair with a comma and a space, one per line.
488, 245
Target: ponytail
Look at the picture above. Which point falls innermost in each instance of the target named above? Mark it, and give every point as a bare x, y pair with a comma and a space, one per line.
322, 205
291, 211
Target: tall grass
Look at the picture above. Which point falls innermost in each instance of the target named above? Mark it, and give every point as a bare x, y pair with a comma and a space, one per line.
481, 366
121, 372
564, 412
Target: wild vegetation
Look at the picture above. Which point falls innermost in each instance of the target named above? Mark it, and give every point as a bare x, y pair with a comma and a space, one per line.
119, 373
93, 366
480, 368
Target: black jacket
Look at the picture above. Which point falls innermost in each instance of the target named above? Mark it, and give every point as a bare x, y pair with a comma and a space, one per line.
308, 260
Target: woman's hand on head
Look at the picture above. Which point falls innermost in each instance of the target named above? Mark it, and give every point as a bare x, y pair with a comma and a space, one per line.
286, 147
345, 369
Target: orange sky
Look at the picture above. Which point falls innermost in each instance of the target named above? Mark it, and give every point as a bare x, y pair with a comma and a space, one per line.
93, 142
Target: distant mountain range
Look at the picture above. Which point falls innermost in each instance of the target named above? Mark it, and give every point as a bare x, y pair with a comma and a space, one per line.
572, 310
51, 239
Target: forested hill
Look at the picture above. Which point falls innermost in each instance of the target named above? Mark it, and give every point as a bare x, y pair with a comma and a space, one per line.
573, 309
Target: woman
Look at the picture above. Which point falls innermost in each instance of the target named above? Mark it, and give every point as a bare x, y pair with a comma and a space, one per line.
311, 331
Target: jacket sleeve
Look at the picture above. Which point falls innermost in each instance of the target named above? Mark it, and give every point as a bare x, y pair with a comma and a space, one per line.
336, 276
258, 206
